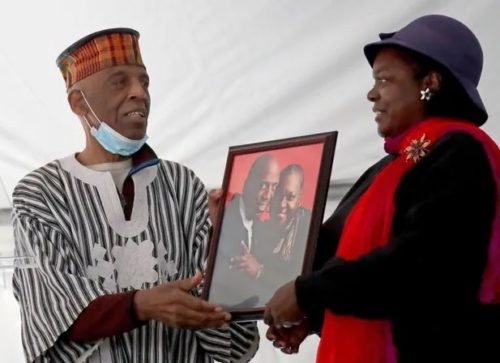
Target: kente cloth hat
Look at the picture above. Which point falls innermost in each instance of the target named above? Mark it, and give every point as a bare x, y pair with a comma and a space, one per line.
446, 41
97, 51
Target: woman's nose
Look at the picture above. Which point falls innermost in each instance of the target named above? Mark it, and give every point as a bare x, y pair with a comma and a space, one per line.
372, 94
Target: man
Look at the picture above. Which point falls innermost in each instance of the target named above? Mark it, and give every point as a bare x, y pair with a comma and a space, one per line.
235, 273
120, 236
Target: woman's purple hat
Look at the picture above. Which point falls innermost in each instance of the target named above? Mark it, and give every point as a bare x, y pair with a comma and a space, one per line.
446, 41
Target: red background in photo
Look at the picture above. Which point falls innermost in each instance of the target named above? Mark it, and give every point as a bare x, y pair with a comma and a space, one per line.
307, 156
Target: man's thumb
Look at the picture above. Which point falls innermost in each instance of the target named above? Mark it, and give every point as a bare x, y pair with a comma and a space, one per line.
188, 284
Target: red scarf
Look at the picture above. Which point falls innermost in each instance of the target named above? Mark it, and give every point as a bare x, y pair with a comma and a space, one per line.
346, 339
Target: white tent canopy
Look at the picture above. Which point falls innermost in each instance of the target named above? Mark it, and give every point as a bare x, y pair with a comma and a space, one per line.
223, 72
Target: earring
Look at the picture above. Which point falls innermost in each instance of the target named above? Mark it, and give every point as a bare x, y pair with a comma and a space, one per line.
426, 94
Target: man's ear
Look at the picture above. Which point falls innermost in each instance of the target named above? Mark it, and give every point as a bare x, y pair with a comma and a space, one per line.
77, 103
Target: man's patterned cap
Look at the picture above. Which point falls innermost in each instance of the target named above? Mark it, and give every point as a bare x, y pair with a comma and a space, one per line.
97, 51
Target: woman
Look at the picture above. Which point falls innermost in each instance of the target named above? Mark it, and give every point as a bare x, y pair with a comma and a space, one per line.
416, 241
284, 236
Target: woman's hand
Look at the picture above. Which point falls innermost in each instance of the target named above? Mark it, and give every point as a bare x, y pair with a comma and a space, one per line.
283, 310
289, 339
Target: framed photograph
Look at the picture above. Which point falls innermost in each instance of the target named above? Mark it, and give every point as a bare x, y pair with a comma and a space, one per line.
274, 199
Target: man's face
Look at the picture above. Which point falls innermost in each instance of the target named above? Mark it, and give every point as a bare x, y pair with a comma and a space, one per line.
287, 199
263, 189
119, 96
267, 187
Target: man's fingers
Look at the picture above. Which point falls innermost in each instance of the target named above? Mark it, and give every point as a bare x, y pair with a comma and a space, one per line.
243, 265
236, 262
183, 317
246, 251
194, 303
188, 284
178, 295
197, 279
172, 304
214, 199
215, 194
191, 304
198, 319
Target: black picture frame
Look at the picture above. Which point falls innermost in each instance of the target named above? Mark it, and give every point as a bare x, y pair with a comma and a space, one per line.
283, 245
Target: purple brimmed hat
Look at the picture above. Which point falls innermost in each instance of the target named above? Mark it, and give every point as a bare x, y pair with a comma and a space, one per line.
446, 41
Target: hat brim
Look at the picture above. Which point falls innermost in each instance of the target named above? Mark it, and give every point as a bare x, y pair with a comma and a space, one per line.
474, 96
371, 50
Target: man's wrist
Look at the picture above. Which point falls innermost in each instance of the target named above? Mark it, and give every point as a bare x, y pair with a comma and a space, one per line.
137, 305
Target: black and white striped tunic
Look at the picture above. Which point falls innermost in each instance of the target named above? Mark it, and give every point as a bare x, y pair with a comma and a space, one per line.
73, 219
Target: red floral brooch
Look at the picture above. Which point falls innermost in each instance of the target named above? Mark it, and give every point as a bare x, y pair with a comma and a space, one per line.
417, 149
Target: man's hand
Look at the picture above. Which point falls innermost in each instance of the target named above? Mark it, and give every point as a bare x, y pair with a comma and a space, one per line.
288, 339
283, 310
173, 305
214, 200
247, 263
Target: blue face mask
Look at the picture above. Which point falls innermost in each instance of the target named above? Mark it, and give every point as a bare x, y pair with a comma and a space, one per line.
110, 139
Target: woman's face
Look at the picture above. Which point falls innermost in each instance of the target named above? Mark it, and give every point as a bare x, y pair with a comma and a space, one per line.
396, 93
